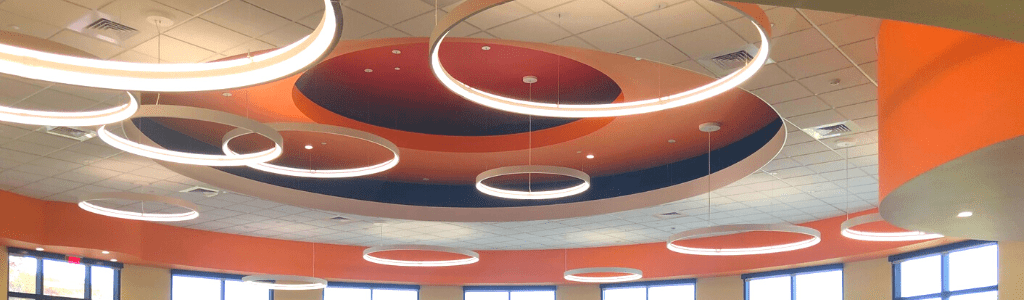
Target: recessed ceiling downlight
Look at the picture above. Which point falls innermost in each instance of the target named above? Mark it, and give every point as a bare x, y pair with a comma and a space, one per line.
285, 282
469, 8
86, 202
56, 118
848, 231
471, 256
579, 275
233, 73
965, 214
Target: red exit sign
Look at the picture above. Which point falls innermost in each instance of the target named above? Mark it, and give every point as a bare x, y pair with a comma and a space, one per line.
74, 260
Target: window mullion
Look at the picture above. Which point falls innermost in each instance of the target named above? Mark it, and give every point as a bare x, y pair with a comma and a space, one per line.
945, 276
39, 276
223, 289
88, 283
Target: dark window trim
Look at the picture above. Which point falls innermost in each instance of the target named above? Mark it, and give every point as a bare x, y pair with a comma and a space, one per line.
223, 277
371, 287
649, 284
792, 274
516, 288
943, 252
88, 263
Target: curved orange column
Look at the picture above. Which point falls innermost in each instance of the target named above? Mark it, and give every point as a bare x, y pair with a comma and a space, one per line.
951, 112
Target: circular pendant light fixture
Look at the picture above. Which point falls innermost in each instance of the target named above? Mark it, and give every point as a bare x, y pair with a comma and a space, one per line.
292, 283
848, 231
233, 73
85, 202
325, 129
197, 114
720, 230
531, 194
578, 275
471, 256
55, 118
471, 7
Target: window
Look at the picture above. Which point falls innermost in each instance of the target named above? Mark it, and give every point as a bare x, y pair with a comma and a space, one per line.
50, 276
191, 285
812, 283
509, 293
357, 291
960, 271
650, 290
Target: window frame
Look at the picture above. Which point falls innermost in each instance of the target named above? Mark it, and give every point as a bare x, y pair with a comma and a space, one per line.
371, 287
944, 251
792, 273
223, 277
648, 284
509, 289
41, 256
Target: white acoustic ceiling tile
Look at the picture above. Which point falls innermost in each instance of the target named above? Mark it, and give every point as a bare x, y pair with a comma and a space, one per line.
423, 26
803, 148
114, 165
869, 123
136, 57
173, 51
823, 83
817, 119
862, 52
313, 19
792, 172
779, 164
696, 67
860, 110
707, 42
386, 33
48, 140
637, 7
720, 11
14, 178
298, 9
582, 15
798, 44
27, 147
191, 6
29, 26
16, 157
851, 30
769, 75
872, 69
13, 90
530, 29
786, 20
53, 12
356, 24
824, 17
677, 19
815, 63
817, 158
499, 15
54, 100
573, 41
745, 29
207, 35
133, 13
286, 35
619, 36
800, 106
87, 175
659, 51
805, 180
782, 92
245, 18
851, 95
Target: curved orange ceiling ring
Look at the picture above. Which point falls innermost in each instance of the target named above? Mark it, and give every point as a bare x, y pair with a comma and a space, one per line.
30, 222
950, 130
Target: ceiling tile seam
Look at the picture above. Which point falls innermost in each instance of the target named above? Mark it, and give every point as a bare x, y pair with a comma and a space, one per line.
172, 26
839, 48
665, 39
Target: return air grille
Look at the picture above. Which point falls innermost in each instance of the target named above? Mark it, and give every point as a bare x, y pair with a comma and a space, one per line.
71, 132
202, 191
100, 26
832, 130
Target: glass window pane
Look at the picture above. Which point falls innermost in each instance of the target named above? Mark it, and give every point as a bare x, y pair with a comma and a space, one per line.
532, 295
820, 286
921, 276
63, 279
238, 290
993, 295
102, 283
194, 288
346, 294
487, 295
385, 294
631, 293
21, 272
671, 292
774, 288
978, 267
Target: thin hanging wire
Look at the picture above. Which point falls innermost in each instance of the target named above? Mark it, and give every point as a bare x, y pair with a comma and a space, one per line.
435, 13
709, 178
529, 176
846, 188
314, 259
558, 71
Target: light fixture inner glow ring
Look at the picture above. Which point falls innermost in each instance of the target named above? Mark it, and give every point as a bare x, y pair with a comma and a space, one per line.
472, 256
469, 8
295, 283
233, 73
630, 274
815, 238
54, 118
319, 128
849, 232
85, 202
198, 114
533, 169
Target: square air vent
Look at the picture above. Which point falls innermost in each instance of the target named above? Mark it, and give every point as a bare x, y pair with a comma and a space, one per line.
207, 192
71, 132
832, 130
101, 26
725, 63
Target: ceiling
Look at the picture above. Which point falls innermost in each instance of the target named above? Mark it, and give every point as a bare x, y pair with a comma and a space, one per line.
805, 182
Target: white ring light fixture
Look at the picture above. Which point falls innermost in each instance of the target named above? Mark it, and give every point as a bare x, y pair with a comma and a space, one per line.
85, 202
848, 231
472, 256
234, 73
533, 195
272, 282
589, 110
319, 128
743, 228
53, 118
199, 114
631, 274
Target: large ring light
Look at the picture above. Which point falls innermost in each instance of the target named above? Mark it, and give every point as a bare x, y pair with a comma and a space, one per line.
533, 195
85, 202
589, 110
319, 128
472, 256
295, 283
743, 228
53, 118
198, 114
234, 73
575, 275
848, 231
